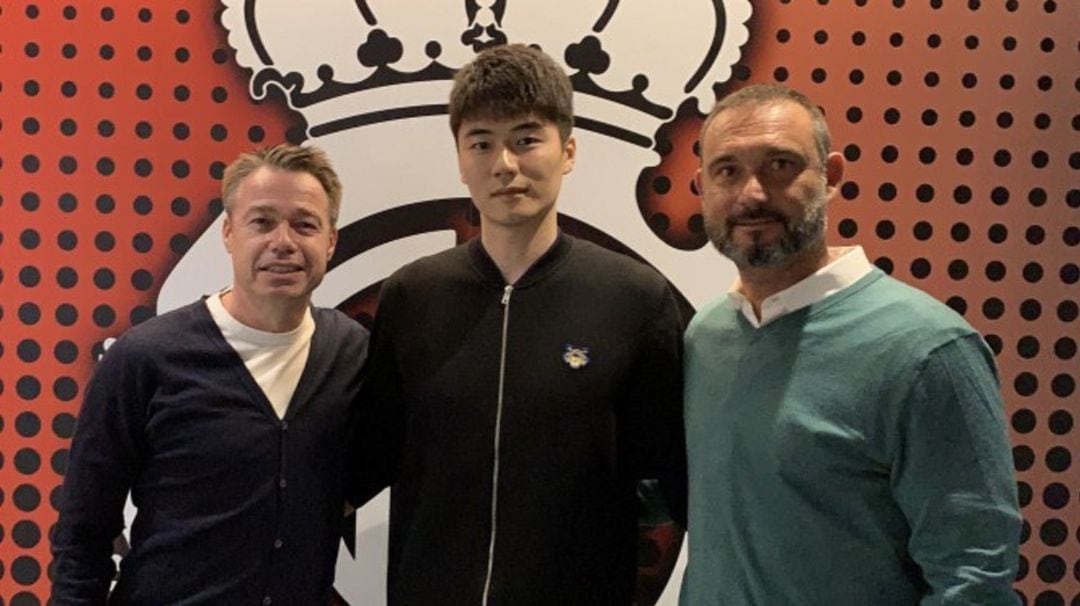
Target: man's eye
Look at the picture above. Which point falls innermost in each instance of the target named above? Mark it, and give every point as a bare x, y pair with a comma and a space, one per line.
479, 145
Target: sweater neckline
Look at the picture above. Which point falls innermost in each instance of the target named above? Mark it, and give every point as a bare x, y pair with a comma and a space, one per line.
540, 269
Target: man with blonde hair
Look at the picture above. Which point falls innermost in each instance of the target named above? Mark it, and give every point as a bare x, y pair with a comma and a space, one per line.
225, 419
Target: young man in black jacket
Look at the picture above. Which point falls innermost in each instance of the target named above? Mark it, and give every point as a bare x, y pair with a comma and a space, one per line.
524, 382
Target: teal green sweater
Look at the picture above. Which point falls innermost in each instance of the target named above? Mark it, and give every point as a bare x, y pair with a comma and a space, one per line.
853, 452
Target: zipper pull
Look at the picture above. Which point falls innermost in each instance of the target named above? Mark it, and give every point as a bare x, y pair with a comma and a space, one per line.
506, 293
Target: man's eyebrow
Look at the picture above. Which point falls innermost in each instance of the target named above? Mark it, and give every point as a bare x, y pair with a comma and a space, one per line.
477, 132
526, 126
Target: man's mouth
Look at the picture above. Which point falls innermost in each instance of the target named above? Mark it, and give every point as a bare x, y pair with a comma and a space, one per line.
510, 191
281, 268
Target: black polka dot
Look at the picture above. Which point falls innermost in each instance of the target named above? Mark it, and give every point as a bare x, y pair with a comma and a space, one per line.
1037, 197
106, 52
780, 74
887, 192
104, 278
1023, 458
145, 15
993, 308
995, 271
958, 269
179, 244
182, 16
29, 276
920, 268
25, 570
26, 497
1033, 272
218, 132
1067, 311
965, 156
969, 80
1042, 121
924, 193
1058, 459
971, 42
885, 229
181, 93
849, 190
1069, 273
256, 134
1008, 43
929, 117
67, 277
933, 41
885, 264
67, 240
66, 352
144, 91
890, 153
29, 239
27, 424
1030, 309
1053, 532
181, 131
29, 314
847, 228
927, 155
28, 350
182, 55
967, 118
66, 314
217, 170
1056, 496
1024, 493
858, 38
997, 233
104, 316
1023, 421
1044, 83
105, 204
1040, 159
142, 242
1060, 422
143, 205
854, 115
67, 202
923, 231
892, 115
27, 461
63, 425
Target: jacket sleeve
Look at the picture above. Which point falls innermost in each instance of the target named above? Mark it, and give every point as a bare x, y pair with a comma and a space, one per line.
105, 456
378, 428
654, 423
953, 479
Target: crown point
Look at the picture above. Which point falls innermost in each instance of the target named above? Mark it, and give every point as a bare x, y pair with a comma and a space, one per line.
433, 49
379, 49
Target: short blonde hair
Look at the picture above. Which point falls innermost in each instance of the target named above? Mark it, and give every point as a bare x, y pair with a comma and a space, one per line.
298, 158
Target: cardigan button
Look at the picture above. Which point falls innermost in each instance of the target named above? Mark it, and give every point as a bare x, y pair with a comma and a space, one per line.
267, 601
282, 483
278, 543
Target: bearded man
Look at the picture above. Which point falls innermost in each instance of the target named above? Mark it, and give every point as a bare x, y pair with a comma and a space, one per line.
845, 432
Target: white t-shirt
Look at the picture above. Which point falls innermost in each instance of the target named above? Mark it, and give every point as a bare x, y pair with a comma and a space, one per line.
274, 359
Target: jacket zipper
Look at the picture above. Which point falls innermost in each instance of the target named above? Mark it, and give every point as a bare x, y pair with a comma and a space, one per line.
498, 427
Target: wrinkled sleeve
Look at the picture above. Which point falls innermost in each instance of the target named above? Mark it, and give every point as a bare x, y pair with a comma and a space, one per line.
378, 431
654, 407
954, 479
105, 455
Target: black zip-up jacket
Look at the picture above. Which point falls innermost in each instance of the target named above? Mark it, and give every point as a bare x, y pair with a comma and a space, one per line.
520, 420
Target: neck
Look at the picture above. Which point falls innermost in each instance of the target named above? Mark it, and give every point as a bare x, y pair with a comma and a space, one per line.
515, 248
760, 283
268, 316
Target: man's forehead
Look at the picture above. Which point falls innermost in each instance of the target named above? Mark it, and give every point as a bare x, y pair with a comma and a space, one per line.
495, 123
773, 125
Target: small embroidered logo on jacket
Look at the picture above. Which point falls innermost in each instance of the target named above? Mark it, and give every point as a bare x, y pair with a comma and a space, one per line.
576, 357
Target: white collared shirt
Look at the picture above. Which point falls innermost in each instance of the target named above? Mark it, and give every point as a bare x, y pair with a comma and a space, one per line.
847, 269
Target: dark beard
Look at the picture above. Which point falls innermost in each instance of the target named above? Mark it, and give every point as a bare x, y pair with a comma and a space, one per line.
804, 233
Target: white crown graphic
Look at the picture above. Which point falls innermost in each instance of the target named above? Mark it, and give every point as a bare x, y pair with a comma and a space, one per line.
348, 63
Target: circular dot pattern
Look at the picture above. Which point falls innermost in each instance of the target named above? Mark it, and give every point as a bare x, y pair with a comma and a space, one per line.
106, 113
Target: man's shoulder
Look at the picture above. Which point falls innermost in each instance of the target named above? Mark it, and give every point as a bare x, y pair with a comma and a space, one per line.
599, 262
433, 267
904, 303
340, 325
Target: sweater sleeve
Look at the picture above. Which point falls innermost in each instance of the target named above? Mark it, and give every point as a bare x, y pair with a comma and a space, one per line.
378, 429
954, 479
653, 423
105, 455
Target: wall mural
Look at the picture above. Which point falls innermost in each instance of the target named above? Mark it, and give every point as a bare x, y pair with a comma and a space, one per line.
958, 121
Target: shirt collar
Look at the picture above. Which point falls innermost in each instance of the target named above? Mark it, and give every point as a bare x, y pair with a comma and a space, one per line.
847, 269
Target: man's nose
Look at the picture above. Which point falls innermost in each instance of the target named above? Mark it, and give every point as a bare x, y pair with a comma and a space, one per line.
281, 238
753, 190
505, 162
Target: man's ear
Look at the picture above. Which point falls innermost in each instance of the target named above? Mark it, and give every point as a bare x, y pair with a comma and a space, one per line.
333, 242
834, 172
697, 182
569, 153
226, 232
